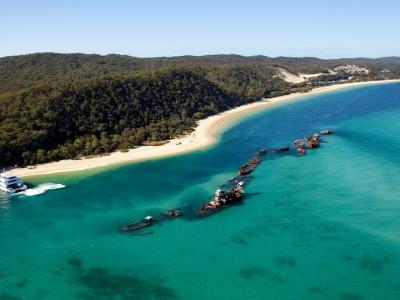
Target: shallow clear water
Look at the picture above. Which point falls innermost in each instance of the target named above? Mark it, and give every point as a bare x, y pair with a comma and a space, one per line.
322, 226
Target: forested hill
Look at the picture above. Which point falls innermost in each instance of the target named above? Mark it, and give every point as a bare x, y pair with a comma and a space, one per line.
53, 122
24, 71
56, 106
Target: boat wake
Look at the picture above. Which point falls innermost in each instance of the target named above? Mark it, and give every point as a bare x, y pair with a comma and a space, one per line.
43, 188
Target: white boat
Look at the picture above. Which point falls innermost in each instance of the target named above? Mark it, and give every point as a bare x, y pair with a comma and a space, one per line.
10, 183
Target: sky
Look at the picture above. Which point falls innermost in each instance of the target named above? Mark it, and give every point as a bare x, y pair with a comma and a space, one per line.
149, 28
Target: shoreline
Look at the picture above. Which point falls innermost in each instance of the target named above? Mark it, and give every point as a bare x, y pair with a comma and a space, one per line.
205, 135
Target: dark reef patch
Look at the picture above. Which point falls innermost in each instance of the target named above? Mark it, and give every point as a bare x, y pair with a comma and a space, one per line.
348, 258
368, 263
212, 257
315, 289
351, 296
373, 264
252, 272
6, 296
238, 240
285, 261
100, 283
75, 262
22, 283
40, 295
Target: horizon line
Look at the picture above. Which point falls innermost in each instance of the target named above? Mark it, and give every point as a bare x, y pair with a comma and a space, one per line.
201, 55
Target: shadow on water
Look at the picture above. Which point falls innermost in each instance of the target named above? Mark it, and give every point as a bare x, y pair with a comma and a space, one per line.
315, 289
373, 264
285, 261
6, 296
22, 283
351, 296
102, 283
238, 240
257, 272
252, 271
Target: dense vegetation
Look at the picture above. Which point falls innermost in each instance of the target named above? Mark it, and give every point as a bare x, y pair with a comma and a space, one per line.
24, 71
65, 121
57, 106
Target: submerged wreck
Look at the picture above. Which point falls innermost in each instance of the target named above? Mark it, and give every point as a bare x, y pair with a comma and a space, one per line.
300, 147
313, 141
222, 199
262, 151
173, 213
281, 149
146, 222
249, 166
310, 142
326, 132
233, 190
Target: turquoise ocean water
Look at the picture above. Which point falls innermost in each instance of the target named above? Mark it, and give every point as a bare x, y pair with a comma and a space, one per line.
322, 226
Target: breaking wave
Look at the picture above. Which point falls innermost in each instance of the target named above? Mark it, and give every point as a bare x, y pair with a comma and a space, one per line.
43, 188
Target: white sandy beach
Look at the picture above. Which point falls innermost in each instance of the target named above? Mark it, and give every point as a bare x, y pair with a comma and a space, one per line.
205, 134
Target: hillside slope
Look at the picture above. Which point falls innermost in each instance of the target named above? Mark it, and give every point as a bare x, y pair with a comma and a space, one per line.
23, 71
99, 116
55, 106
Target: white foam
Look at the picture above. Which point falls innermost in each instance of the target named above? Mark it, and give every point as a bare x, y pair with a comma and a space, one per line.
43, 188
